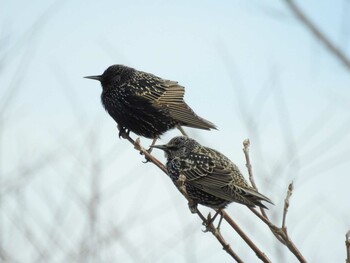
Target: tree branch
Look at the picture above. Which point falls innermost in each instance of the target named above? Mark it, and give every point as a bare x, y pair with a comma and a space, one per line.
286, 205
280, 233
250, 243
318, 34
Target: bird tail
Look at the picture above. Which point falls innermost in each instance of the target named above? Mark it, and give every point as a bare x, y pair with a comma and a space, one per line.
187, 117
255, 197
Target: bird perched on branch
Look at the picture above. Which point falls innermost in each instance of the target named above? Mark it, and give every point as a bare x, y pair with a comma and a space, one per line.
211, 178
146, 104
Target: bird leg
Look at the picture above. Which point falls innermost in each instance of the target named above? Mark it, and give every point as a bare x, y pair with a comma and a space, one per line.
181, 130
153, 143
221, 217
211, 220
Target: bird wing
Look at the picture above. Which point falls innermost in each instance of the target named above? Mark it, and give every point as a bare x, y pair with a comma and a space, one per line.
169, 95
220, 177
173, 100
148, 86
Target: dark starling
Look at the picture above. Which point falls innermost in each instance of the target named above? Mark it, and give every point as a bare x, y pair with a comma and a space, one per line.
211, 178
146, 104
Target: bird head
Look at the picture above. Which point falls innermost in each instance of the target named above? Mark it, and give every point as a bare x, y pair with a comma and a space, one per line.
179, 146
113, 76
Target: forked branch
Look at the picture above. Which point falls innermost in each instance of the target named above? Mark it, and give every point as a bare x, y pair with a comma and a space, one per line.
280, 232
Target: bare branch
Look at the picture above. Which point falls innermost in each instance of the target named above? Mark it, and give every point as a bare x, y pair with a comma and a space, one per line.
318, 34
250, 243
246, 145
280, 233
286, 205
281, 236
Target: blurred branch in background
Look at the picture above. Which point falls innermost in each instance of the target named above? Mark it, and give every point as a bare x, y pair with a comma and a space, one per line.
27, 40
332, 48
8, 95
347, 245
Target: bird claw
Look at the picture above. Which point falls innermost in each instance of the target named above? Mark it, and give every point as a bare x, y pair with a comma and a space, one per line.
210, 220
147, 160
148, 151
206, 224
206, 230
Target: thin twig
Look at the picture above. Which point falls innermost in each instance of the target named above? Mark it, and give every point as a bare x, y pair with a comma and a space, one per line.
281, 236
207, 223
250, 243
286, 205
246, 145
347, 245
280, 233
318, 34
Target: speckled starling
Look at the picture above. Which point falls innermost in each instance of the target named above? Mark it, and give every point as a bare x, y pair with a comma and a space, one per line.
211, 178
146, 104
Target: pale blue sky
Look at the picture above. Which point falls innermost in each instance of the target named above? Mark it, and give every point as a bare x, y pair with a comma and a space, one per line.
248, 66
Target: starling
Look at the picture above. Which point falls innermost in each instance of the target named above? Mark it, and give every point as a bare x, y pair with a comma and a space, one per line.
211, 178
146, 104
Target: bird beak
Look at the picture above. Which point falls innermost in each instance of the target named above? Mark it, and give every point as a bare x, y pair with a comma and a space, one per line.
162, 147
99, 77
